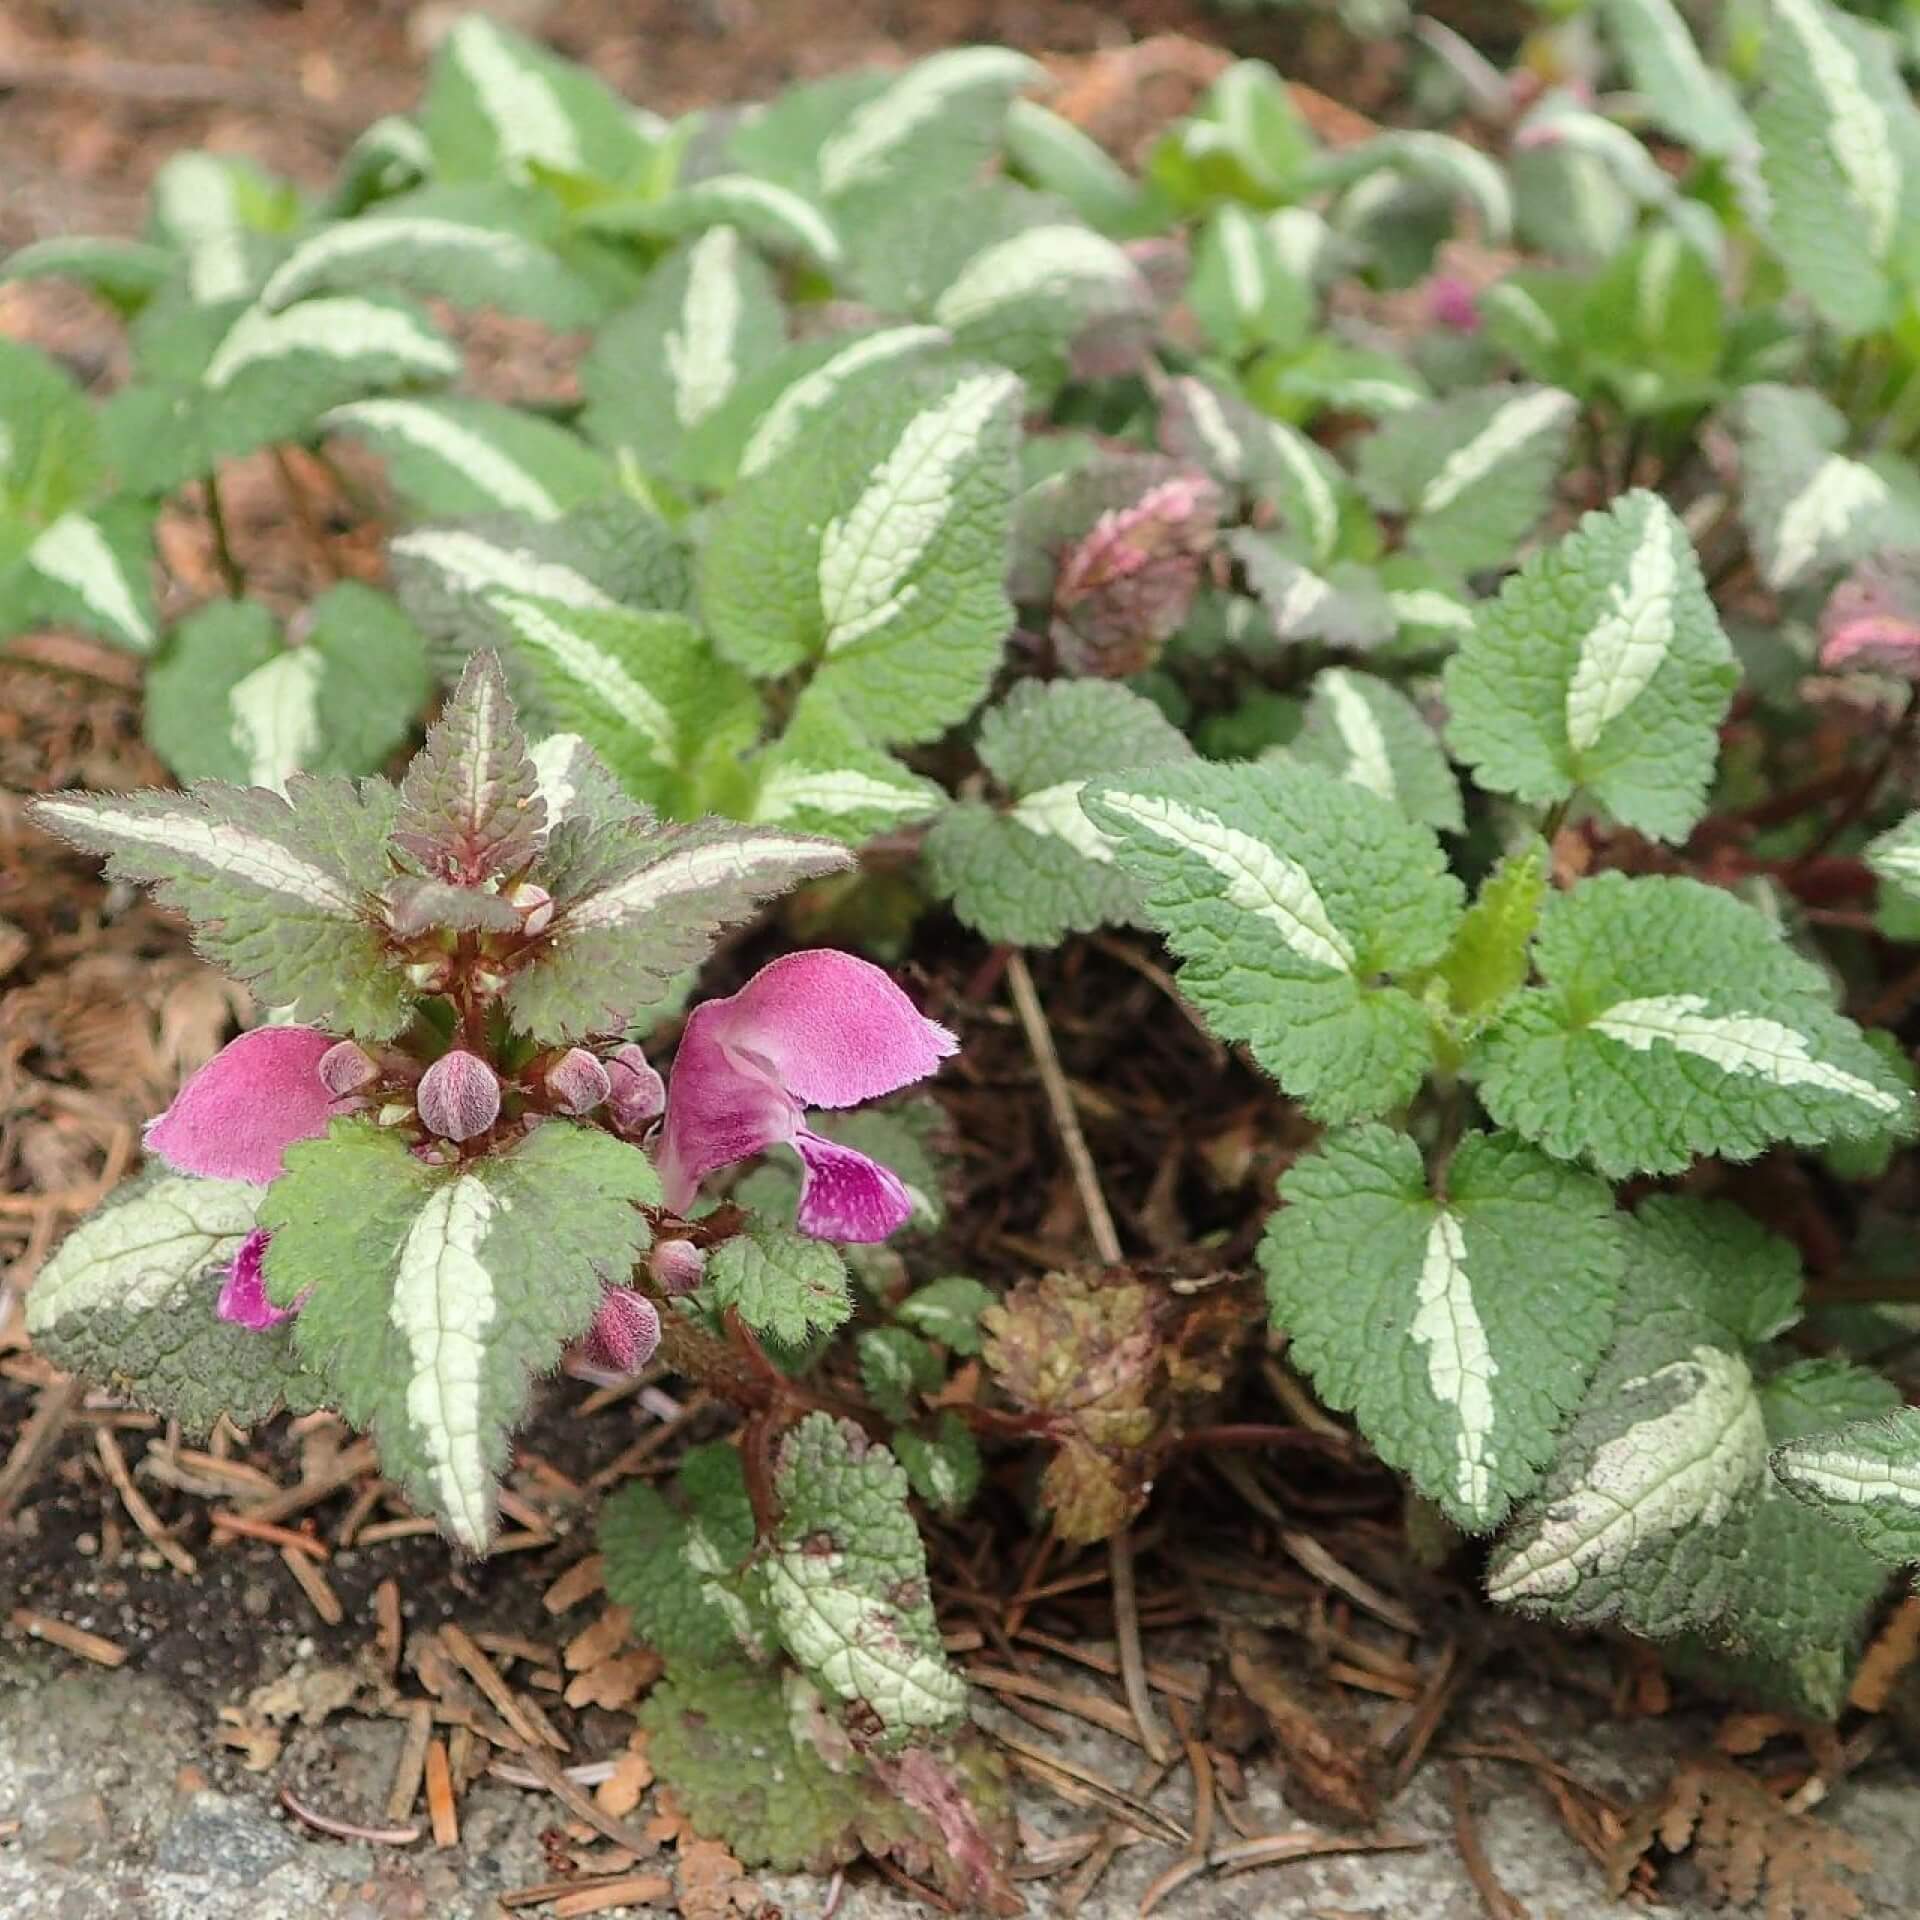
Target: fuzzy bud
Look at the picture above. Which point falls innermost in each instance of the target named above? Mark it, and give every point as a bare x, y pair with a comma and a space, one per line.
534, 905
459, 1096
635, 1092
345, 1069
577, 1082
678, 1265
1451, 303
625, 1332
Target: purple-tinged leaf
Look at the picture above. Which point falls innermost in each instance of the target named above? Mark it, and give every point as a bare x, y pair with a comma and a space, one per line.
1872, 620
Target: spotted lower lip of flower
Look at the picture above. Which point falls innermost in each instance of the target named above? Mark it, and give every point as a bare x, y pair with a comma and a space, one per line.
820, 1029
236, 1117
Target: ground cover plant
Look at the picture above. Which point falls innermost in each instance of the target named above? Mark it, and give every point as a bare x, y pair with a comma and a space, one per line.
1458, 588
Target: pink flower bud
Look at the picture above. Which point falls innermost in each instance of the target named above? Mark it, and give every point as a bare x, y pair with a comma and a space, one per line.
678, 1265
625, 1332
458, 1096
1451, 302
533, 904
345, 1069
577, 1082
636, 1093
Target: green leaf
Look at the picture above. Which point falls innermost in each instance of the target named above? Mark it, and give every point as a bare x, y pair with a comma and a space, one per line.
389, 156
1051, 153
1298, 903
948, 1310
644, 690
1602, 667
226, 701
1343, 606
824, 776
1673, 1021
1473, 473
1491, 955
708, 316
228, 218
690, 1578
434, 1295
472, 246
772, 216
1686, 97
92, 570
449, 454
128, 1300
1839, 140
1864, 1476
1040, 868
124, 273
1461, 1331
944, 1466
1365, 730
635, 906
276, 888
896, 1366
848, 1582
1436, 159
783, 1283
50, 458
1895, 856
1242, 291
877, 546
500, 105
1808, 508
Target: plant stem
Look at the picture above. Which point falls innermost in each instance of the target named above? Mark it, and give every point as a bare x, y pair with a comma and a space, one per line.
1126, 1635
1858, 801
1026, 1003
222, 545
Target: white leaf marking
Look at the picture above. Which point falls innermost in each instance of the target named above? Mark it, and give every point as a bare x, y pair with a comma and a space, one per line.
553, 763
867, 146
456, 445
1460, 1362
1259, 880
1681, 1470
1369, 764
594, 671
1300, 237
1040, 263
332, 329
869, 553
1055, 813
1658, 266
76, 553
836, 790
310, 263
1239, 246
276, 716
1855, 1479
1824, 510
702, 351
1305, 594
1738, 1043
1428, 607
520, 103
781, 424
785, 208
1857, 133
1511, 427
1316, 494
1512, 298
475, 564
759, 860
1216, 434
1899, 861
443, 1303
250, 858
193, 195
1475, 174
1628, 644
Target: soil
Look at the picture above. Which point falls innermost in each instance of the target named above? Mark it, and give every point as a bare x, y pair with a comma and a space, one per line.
149, 1789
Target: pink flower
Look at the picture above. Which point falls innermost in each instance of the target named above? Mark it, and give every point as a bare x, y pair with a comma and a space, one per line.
243, 1294
820, 1029
239, 1114
1452, 303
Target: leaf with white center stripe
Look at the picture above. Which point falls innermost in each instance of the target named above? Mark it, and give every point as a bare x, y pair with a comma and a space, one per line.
501, 105
1895, 856
1341, 605
1051, 153
222, 689
277, 893
1366, 730
1473, 473
128, 1302
1689, 99
90, 569
1866, 1477
824, 776
1460, 1333
1602, 667
644, 690
389, 157
604, 553
1243, 292
435, 1295
227, 219
1431, 158
878, 546
847, 1579
708, 317
1674, 1022
635, 906
124, 273
1808, 507
773, 216
1038, 868
472, 246
451, 454
1839, 138
1264, 460
1304, 909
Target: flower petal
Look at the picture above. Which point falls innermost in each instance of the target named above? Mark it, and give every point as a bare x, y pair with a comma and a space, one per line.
243, 1294
721, 1107
236, 1117
846, 1196
833, 1027
625, 1331
635, 1091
